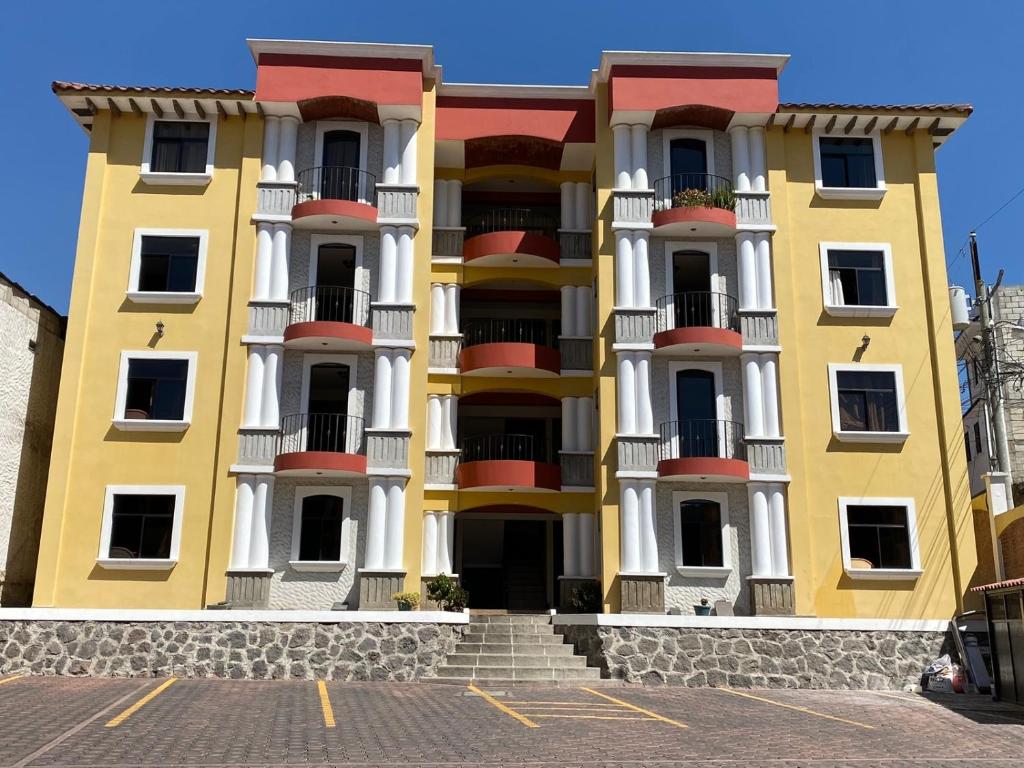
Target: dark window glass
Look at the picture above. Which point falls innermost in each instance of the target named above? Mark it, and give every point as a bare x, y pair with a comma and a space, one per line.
867, 401
977, 437
141, 526
861, 275
320, 532
168, 263
695, 403
179, 147
700, 528
156, 389
967, 445
688, 163
847, 162
879, 535
339, 175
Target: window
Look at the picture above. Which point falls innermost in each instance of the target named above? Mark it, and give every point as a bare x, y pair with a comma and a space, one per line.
141, 526
155, 391
848, 166
967, 444
702, 542
977, 437
857, 279
879, 538
178, 151
320, 529
688, 156
867, 403
340, 154
167, 266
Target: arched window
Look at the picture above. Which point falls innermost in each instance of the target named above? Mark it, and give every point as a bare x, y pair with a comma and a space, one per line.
700, 533
327, 413
696, 406
339, 172
320, 536
335, 283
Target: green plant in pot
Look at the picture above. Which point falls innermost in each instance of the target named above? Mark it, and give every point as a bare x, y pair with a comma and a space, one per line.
704, 608
447, 593
407, 601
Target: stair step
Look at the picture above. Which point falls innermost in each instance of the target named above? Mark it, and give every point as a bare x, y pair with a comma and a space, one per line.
515, 661
510, 618
549, 649
517, 638
519, 673
508, 629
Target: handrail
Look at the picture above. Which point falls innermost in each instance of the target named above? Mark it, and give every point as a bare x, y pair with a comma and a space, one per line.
701, 438
336, 182
544, 333
328, 432
505, 447
694, 190
330, 303
512, 219
698, 309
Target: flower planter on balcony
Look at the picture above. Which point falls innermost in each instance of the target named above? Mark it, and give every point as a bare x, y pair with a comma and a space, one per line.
694, 205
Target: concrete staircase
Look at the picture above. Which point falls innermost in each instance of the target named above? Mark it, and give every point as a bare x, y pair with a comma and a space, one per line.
514, 649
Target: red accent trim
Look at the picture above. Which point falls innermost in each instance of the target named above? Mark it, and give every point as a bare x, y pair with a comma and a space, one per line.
346, 208
701, 335
694, 214
287, 77
510, 355
651, 88
563, 120
312, 461
509, 399
328, 329
711, 467
511, 474
526, 243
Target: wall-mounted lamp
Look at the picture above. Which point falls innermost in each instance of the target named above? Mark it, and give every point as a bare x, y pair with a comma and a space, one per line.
864, 341
160, 328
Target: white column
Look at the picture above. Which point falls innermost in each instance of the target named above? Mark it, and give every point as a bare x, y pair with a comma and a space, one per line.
568, 310
451, 307
436, 309
434, 417
376, 521
568, 189
262, 507
629, 527
441, 203
582, 205
407, 143
777, 521
254, 387
638, 136
747, 270
587, 565
382, 390
264, 259
584, 424
392, 154
763, 265
271, 132
626, 391
279, 262
758, 169
570, 544
740, 158
770, 395
245, 486
648, 528
400, 390
454, 203
569, 431
403, 266
388, 264
753, 397
644, 408
449, 421
760, 542
394, 527
583, 322
286, 148
270, 415
623, 269
445, 542
429, 564
641, 271
623, 156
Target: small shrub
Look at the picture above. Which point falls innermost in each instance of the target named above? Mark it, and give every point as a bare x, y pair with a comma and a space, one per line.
691, 198
409, 599
447, 593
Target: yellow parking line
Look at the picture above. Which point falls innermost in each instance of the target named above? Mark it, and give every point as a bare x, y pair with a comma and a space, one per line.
12, 677
141, 702
564, 703
325, 704
501, 707
794, 707
596, 717
641, 710
908, 698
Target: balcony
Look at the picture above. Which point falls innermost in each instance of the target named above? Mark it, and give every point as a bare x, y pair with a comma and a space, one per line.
335, 198
698, 323
321, 444
505, 347
507, 462
329, 318
502, 237
694, 205
702, 449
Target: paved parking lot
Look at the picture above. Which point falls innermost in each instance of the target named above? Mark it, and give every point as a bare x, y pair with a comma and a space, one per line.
104, 722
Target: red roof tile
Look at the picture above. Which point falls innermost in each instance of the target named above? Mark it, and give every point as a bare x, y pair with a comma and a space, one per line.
966, 109
999, 585
63, 86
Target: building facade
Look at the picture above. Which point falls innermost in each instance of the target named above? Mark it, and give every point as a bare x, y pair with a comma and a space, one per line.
661, 333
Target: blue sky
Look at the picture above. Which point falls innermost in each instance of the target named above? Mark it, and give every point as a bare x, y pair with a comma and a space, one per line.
888, 52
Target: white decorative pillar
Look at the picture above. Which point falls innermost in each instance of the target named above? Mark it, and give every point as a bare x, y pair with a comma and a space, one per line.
583, 324
763, 266
271, 132
629, 527
392, 153
747, 260
623, 269
641, 271
253, 407
270, 414
434, 416
279, 262
568, 317
777, 522
626, 391
407, 144
570, 544
400, 389
638, 148
394, 529
644, 406
770, 395
568, 190
587, 564
648, 528
569, 430
758, 169
445, 542
753, 397
454, 203
376, 522
449, 421
388, 264
264, 259
403, 266
245, 487
436, 309
441, 203
760, 536
584, 423
286, 148
451, 308
429, 564
262, 507
382, 389
740, 158
623, 141
583, 206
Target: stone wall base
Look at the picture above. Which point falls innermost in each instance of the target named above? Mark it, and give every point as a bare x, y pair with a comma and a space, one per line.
248, 590
376, 589
641, 593
772, 597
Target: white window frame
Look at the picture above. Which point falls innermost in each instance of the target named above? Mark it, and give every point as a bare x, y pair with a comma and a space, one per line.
154, 425
171, 178
356, 241
849, 193
709, 247
166, 297
308, 361
360, 127
713, 572
302, 492
715, 368
858, 310
915, 569
104, 560
668, 134
861, 436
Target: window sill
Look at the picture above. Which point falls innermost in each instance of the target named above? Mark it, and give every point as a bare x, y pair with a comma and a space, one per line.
849, 193
135, 564
859, 310
886, 574
163, 297
176, 179
870, 437
150, 425
705, 572
317, 566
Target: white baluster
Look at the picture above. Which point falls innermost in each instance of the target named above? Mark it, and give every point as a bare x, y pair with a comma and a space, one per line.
740, 158
763, 267
760, 543
638, 135
407, 143
757, 161
747, 270
388, 264
436, 309
264, 261
286, 148
451, 308
404, 266
262, 507
429, 543
271, 131
382, 390
394, 530
644, 407
641, 271
648, 528
279, 262
400, 390
392, 153
245, 487
623, 269
777, 521
623, 156
270, 414
251, 414
376, 522
753, 396
626, 391
434, 417
629, 527
770, 395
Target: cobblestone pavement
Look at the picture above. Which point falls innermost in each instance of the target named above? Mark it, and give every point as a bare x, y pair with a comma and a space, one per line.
57, 721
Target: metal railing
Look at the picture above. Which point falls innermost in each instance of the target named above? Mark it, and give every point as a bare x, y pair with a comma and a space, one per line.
336, 182
694, 190
512, 219
698, 309
329, 432
330, 303
495, 331
701, 438
505, 448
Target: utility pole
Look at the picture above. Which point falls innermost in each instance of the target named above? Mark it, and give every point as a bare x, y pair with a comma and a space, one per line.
993, 386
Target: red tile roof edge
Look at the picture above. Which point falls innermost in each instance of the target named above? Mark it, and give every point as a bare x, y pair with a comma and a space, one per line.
966, 109
64, 86
999, 585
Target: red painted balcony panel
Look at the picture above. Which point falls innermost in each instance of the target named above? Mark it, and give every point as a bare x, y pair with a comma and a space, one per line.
509, 475
504, 358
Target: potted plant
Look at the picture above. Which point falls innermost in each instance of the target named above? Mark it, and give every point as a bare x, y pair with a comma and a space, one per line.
447, 593
704, 609
407, 601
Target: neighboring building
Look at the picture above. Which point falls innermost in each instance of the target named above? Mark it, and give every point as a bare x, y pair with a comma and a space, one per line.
32, 340
360, 327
